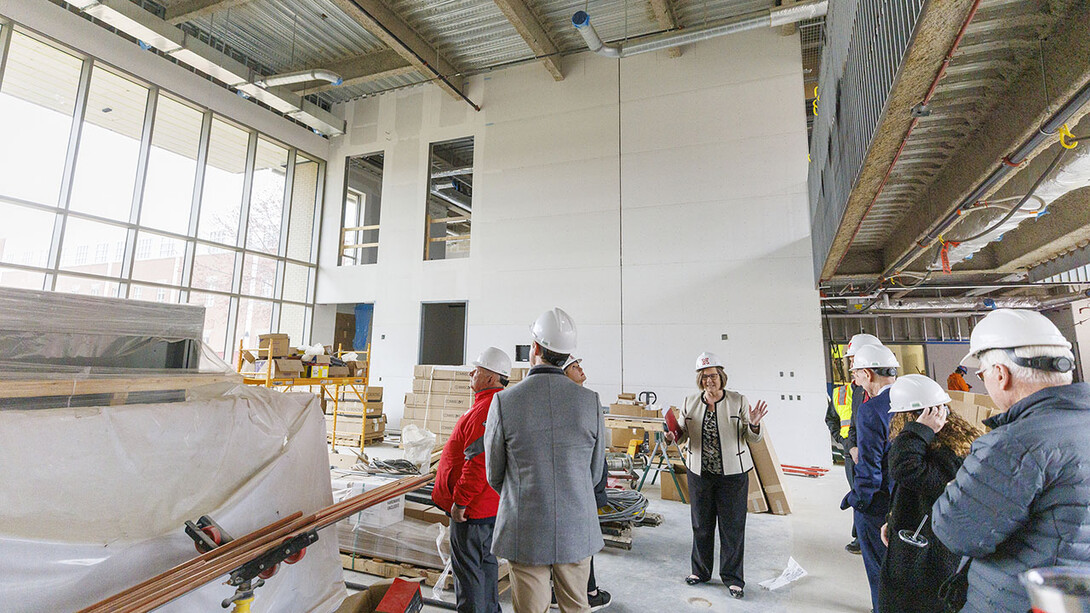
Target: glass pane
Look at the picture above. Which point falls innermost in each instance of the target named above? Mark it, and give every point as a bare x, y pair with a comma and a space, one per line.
36, 112
254, 318
159, 259
293, 321
267, 198
304, 190
216, 309
87, 287
21, 279
213, 268
25, 235
92, 247
258, 276
109, 146
221, 198
296, 279
172, 167
154, 294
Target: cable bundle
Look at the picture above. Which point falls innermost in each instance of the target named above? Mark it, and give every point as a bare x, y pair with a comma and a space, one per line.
623, 505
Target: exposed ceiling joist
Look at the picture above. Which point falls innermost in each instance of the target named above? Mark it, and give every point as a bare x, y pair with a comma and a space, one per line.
188, 10
385, 25
528, 26
362, 69
937, 28
1017, 116
664, 14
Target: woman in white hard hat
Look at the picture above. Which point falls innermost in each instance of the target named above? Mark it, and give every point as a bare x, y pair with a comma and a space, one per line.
929, 444
719, 424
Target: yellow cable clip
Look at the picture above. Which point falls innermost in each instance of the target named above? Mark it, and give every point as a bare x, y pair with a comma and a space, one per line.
1065, 133
816, 98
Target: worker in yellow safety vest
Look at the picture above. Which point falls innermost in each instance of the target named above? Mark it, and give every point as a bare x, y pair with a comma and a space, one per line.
839, 419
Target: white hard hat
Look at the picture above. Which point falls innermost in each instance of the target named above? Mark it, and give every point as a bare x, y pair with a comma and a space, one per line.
1010, 328
874, 356
915, 392
555, 331
496, 360
571, 360
858, 341
708, 360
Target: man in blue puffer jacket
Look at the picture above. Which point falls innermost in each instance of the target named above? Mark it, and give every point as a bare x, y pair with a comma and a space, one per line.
1022, 498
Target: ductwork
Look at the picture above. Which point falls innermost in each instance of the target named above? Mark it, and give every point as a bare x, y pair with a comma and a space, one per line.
301, 76
131, 19
453, 197
763, 19
973, 305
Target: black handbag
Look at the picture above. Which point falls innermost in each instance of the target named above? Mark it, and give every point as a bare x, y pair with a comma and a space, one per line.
955, 590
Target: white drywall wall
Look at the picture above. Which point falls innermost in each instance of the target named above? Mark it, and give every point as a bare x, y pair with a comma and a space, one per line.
659, 201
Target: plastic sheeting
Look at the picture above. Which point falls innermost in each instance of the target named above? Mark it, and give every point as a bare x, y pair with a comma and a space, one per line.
93, 500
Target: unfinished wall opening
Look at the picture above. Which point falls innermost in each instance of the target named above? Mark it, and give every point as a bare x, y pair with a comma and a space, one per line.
443, 333
362, 207
352, 330
449, 200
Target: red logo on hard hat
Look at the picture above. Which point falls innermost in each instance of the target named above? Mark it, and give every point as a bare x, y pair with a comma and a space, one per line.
704, 361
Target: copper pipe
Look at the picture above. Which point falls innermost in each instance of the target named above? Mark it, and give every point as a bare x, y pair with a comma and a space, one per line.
194, 573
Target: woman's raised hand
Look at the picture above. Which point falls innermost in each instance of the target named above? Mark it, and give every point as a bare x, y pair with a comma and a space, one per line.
934, 418
757, 413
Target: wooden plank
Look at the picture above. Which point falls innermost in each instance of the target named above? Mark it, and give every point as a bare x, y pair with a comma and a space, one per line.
664, 15
35, 388
528, 26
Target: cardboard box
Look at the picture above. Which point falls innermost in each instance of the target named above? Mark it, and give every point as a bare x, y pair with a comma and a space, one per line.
436, 386
320, 359
337, 371
620, 437
420, 371
275, 345
378, 516
768, 470
372, 409
367, 600
450, 373
756, 502
318, 371
376, 425
669, 490
283, 368
374, 393
356, 368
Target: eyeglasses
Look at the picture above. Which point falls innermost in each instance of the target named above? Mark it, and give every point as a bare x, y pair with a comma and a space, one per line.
980, 373
713, 375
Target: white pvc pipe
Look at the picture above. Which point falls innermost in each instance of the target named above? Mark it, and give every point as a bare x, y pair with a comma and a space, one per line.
301, 76
771, 18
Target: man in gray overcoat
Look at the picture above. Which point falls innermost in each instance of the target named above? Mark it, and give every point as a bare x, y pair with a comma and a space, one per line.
544, 449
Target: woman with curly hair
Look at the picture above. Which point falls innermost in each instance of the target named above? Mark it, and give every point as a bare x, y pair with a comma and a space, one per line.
929, 446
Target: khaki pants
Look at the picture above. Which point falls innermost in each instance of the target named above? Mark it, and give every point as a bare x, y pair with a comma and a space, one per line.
530, 591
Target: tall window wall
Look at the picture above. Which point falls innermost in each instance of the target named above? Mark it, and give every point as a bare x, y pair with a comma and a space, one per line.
112, 187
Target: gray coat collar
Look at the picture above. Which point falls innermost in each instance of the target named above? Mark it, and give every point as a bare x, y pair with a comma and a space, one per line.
1075, 396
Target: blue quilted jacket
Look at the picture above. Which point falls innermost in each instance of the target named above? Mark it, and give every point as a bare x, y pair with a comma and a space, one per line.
1022, 498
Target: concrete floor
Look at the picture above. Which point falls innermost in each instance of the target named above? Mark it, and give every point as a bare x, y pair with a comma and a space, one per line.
650, 577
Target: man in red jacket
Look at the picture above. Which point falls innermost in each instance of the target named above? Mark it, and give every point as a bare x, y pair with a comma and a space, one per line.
462, 490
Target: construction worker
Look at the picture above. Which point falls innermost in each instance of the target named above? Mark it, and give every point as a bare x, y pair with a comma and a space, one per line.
857, 397
597, 598
956, 381
874, 368
1020, 500
544, 449
462, 490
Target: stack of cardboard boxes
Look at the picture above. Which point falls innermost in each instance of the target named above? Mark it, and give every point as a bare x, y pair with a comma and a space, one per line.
354, 419
442, 394
973, 408
627, 405
287, 363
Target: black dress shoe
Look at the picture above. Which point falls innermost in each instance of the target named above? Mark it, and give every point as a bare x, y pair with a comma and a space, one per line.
693, 580
736, 592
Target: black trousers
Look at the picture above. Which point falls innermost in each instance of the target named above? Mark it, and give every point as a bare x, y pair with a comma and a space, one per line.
849, 471
476, 572
719, 499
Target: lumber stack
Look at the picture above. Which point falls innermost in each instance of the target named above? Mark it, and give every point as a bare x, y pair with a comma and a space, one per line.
442, 394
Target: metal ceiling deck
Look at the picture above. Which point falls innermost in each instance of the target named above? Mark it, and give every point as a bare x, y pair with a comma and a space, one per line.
1000, 44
